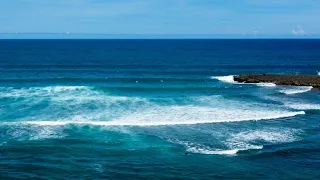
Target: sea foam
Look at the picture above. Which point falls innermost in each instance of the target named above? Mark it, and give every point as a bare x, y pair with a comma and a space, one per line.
227, 79
39, 91
84, 105
295, 90
220, 151
266, 135
230, 79
266, 84
246, 140
176, 116
303, 106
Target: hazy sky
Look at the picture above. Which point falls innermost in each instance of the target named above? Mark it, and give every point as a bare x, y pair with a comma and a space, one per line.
161, 16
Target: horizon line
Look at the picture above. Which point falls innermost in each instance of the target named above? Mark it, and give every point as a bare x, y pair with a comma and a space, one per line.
46, 35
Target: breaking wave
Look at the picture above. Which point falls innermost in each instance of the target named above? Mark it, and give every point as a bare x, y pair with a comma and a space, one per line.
227, 79
85, 105
176, 115
230, 79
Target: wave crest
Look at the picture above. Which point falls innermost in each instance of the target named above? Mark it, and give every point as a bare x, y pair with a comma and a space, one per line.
174, 116
230, 79
227, 79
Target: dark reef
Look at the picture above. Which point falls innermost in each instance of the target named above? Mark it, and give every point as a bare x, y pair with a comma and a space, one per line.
293, 80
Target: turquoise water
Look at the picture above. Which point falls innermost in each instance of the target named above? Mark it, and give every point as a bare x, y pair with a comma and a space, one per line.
132, 109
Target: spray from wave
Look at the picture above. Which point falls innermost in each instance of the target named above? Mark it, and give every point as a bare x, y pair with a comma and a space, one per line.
230, 79
227, 79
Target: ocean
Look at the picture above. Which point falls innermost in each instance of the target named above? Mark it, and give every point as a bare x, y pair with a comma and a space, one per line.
157, 109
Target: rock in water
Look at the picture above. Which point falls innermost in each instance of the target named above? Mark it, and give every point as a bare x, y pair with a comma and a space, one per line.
293, 80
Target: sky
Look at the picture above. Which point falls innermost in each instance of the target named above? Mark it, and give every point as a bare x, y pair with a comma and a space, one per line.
164, 17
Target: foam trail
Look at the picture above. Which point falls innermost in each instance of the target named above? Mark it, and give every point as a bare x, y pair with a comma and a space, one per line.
220, 152
202, 149
296, 90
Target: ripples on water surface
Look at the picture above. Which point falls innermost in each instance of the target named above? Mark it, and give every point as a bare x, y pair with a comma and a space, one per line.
130, 109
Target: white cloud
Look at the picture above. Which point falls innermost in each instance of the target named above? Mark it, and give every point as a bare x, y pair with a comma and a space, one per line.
298, 31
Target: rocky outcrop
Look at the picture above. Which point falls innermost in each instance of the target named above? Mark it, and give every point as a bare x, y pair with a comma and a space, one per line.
293, 80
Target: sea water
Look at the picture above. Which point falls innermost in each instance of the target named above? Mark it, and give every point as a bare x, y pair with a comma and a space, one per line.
157, 109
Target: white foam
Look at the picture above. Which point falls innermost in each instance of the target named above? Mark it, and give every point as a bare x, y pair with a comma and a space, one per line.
227, 79
255, 139
97, 108
31, 132
56, 89
177, 115
212, 151
198, 115
202, 149
303, 106
266, 84
244, 140
318, 73
40, 91
230, 79
219, 151
296, 90
293, 103
271, 135
71, 100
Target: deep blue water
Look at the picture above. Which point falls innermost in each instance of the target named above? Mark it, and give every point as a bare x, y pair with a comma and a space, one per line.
131, 109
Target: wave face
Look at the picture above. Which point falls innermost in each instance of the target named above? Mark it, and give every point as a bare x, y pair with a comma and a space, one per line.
164, 109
